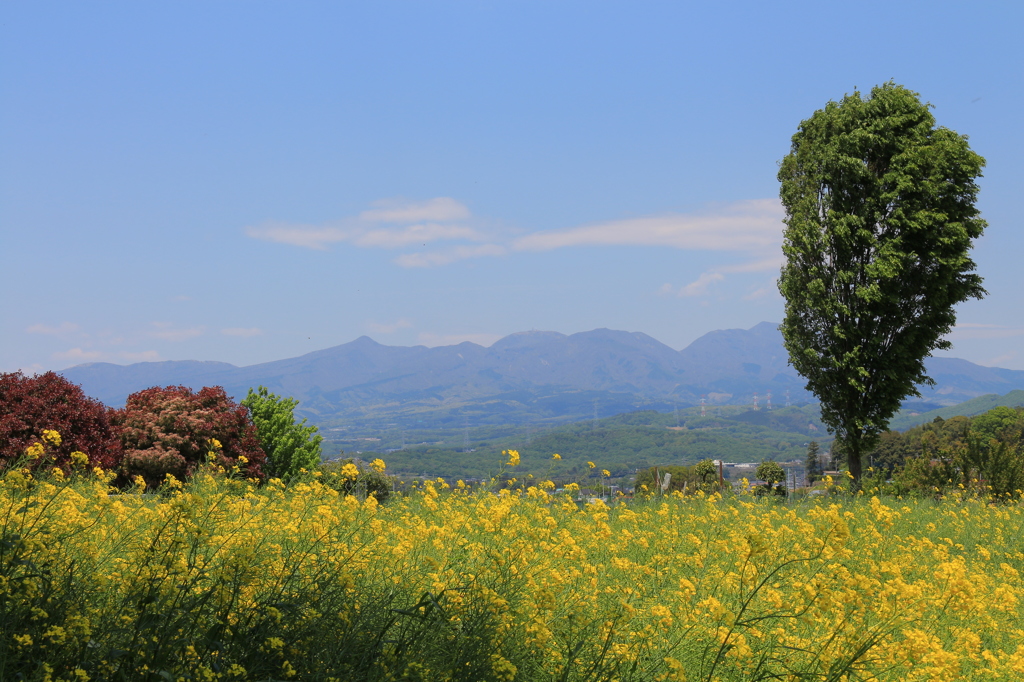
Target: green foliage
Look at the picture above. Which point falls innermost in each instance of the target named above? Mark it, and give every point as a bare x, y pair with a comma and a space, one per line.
880, 219
348, 478
983, 455
890, 451
706, 471
998, 423
812, 465
773, 476
996, 471
290, 446
622, 444
893, 449
681, 479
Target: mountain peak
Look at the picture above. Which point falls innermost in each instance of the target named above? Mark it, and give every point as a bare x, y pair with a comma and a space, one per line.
765, 328
526, 339
363, 340
532, 374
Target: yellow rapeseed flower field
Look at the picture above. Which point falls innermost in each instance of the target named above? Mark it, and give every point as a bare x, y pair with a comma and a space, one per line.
220, 579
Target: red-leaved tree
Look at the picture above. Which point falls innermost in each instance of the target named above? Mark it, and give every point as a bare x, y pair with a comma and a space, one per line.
28, 405
171, 431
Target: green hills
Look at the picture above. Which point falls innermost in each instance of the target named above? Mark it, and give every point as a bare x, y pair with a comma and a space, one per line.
622, 444
908, 418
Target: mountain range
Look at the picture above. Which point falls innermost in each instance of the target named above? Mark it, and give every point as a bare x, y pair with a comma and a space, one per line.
527, 377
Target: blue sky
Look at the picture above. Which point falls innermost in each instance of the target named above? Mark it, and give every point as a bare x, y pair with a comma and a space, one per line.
249, 181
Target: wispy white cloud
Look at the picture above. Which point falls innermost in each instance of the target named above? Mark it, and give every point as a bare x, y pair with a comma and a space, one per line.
306, 236
762, 290
61, 329
968, 330
398, 211
388, 327
446, 256
750, 227
743, 226
773, 264
78, 355
700, 286
1000, 359
429, 339
141, 356
165, 331
423, 222
31, 370
757, 293
413, 234
242, 331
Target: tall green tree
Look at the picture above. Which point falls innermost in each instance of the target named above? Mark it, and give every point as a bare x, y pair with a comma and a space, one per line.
880, 220
812, 464
290, 446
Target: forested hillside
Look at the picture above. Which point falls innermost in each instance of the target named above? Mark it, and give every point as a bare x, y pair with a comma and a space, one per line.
621, 444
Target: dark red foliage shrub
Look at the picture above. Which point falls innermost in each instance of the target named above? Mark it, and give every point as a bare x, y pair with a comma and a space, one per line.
171, 430
49, 401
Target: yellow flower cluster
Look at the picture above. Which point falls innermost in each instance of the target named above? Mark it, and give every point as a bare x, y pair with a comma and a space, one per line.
520, 585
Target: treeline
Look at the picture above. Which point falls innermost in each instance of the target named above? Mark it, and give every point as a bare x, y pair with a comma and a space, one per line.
163, 435
626, 443
983, 454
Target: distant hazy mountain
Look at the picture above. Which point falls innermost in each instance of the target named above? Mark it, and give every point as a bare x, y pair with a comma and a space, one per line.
524, 377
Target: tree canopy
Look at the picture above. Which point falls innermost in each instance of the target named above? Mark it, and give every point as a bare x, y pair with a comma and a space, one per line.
880, 219
290, 446
28, 405
812, 462
173, 430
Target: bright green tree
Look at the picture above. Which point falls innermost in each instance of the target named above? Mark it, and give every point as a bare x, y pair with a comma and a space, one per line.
290, 446
812, 465
707, 472
996, 423
880, 220
773, 475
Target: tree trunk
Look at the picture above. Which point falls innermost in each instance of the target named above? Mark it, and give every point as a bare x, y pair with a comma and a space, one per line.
853, 448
